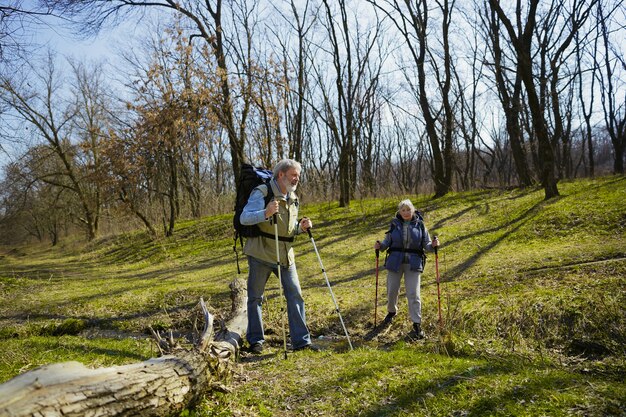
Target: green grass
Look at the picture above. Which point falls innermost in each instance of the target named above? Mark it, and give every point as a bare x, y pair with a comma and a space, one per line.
403, 381
533, 296
24, 353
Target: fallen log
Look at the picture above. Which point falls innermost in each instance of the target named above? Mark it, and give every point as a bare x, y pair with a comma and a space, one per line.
160, 386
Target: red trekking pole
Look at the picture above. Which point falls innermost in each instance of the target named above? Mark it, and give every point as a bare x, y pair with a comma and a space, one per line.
438, 289
376, 298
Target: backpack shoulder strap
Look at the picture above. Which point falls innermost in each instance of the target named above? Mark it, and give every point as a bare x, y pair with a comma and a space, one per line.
268, 193
392, 225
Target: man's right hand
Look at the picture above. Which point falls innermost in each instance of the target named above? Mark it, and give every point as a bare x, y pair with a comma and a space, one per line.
271, 208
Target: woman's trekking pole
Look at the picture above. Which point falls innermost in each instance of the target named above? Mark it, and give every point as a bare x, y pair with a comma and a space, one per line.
376, 297
329, 287
280, 284
438, 289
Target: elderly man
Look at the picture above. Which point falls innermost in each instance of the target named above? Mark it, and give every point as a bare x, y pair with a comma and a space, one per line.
262, 256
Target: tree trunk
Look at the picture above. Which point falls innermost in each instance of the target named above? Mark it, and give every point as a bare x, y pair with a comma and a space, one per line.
157, 387
511, 101
418, 14
522, 45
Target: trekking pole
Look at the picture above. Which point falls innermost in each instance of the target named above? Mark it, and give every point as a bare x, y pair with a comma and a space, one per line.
280, 284
376, 296
329, 288
438, 289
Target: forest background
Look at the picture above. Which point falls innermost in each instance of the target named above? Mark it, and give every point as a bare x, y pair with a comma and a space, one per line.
379, 100
375, 98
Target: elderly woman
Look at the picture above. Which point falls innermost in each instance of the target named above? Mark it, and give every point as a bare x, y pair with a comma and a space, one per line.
405, 242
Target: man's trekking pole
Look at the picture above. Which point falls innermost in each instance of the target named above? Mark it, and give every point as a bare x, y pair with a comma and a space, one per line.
376, 297
438, 289
329, 287
280, 284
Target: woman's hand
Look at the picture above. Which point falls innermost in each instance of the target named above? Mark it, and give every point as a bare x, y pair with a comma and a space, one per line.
377, 245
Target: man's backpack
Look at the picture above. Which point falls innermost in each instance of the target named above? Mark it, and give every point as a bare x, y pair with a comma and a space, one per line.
250, 177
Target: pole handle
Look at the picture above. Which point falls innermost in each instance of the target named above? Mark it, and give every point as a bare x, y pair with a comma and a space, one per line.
309, 232
275, 215
436, 247
377, 250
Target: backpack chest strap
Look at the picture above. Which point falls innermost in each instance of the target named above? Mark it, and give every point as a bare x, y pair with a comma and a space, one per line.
281, 238
418, 251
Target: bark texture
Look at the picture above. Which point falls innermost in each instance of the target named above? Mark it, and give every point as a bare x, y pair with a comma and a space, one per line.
160, 386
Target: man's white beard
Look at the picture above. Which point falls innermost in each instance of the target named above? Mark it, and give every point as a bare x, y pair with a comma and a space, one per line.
289, 187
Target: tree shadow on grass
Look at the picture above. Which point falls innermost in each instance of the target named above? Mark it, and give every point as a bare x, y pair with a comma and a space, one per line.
77, 348
512, 227
417, 394
504, 386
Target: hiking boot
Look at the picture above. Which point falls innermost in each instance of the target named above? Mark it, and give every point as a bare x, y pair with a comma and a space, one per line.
310, 347
256, 348
419, 333
389, 318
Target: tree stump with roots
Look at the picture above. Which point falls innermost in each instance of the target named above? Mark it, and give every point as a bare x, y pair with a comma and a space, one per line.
160, 386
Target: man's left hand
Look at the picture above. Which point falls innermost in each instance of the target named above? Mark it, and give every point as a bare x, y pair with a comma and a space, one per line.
305, 224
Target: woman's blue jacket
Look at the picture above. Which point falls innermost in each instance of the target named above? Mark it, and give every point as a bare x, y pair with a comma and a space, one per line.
419, 242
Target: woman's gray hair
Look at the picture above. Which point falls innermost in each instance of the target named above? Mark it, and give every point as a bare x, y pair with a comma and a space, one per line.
406, 203
285, 165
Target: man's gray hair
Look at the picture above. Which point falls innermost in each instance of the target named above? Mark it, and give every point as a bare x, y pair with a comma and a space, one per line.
406, 203
285, 165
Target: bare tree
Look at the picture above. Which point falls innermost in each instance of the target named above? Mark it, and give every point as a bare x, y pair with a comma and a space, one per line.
207, 20
587, 110
411, 19
40, 103
296, 59
168, 106
559, 25
468, 82
32, 208
355, 79
560, 22
17, 22
613, 104
368, 149
510, 94
266, 140
521, 40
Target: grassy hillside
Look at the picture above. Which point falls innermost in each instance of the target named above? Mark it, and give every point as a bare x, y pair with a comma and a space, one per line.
533, 297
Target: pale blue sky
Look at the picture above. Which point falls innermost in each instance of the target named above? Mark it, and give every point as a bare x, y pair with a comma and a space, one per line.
68, 44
